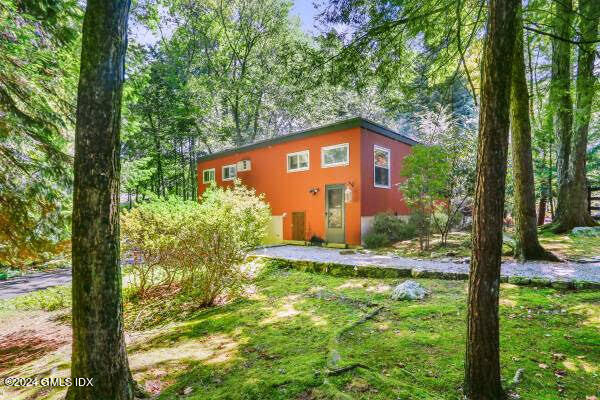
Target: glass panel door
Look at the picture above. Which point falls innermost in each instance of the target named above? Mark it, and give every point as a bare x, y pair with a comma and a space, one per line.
334, 213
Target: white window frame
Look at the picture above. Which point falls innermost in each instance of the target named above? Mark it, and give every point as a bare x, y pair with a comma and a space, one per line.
335, 146
389, 168
234, 166
209, 170
298, 153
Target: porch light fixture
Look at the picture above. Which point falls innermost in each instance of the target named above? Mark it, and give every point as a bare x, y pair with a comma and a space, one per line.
348, 192
314, 191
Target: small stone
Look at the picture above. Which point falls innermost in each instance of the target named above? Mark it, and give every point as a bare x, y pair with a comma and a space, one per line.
586, 231
409, 290
559, 373
187, 390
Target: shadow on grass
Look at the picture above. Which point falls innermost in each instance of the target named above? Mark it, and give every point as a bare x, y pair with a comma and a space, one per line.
20, 348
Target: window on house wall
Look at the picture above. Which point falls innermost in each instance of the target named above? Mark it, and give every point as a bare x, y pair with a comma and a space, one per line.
229, 172
208, 175
381, 158
333, 156
298, 161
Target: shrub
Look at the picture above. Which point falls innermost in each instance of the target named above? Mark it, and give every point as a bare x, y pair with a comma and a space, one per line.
374, 240
51, 299
149, 234
196, 247
316, 240
394, 228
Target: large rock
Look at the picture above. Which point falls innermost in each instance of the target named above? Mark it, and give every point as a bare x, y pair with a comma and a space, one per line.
409, 290
586, 231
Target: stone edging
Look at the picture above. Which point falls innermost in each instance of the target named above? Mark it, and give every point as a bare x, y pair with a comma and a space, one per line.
375, 271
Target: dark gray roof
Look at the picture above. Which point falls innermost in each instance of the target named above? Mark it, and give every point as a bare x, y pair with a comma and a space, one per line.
337, 126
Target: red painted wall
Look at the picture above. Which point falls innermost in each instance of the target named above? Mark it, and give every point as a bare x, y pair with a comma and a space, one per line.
289, 192
374, 199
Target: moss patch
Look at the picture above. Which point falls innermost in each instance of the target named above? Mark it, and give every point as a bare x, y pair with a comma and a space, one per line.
568, 246
280, 342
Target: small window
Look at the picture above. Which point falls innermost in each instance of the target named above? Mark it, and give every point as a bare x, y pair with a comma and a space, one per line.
208, 175
381, 167
333, 156
298, 161
229, 172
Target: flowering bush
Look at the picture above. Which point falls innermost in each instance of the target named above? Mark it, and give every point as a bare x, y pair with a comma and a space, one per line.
196, 247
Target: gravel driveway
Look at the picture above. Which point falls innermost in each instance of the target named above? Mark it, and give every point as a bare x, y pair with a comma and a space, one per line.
561, 271
32, 282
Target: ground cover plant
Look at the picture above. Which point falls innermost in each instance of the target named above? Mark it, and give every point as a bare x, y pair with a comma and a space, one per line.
296, 335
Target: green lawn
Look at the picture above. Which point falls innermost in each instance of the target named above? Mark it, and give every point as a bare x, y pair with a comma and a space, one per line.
459, 245
293, 329
570, 246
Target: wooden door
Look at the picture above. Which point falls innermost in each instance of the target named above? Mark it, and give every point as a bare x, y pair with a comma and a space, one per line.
298, 226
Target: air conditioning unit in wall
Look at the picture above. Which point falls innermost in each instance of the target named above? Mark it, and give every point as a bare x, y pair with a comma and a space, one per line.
244, 165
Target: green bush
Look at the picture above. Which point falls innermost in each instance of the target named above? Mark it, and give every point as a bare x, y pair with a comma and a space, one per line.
195, 247
394, 228
51, 299
374, 240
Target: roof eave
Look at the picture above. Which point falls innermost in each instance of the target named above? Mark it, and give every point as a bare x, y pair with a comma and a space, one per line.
337, 126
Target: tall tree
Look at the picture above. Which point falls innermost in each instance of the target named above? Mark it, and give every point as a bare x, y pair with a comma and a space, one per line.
482, 361
576, 213
527, 243
98, 340
39, 50
561, 101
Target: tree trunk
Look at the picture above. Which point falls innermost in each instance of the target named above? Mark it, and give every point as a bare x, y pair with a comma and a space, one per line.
527, 245
541, 216
577, 213
160, 185
98, 342
561, 101
550, 190
192, 165
482, 361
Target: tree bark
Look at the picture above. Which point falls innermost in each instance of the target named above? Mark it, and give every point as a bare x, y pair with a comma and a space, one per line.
98, 341
527, 245
550, 189
577, 213
561, 101
541, 210
482, 361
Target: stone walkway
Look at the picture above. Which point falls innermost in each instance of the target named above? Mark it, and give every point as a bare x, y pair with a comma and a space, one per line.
562, 271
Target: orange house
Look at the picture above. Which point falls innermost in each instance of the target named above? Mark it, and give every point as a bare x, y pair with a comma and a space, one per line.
326, 182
